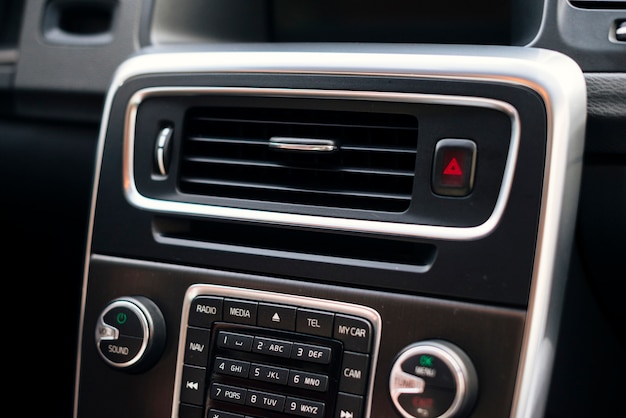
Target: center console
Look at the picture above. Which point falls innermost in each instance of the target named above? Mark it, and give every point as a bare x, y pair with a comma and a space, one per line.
334, 231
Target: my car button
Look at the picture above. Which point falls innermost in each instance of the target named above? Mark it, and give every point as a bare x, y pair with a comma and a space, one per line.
454, 166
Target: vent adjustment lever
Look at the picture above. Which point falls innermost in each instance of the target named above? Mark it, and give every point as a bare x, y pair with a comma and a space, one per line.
162, 150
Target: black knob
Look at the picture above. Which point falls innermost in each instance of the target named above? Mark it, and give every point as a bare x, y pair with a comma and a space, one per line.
130, 333
433, 379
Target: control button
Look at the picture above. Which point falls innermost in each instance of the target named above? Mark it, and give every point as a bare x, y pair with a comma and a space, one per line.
228, 393
348, 406
431, 369
197, 346
407, 383
240, 311
122, 350
444, 381
454, 164
314, 322
190, 411
306, 380
269, 401
214, 413
272, 347
231, 367
130, 333
192, 386
434, 403
271, 374
355, 333
205, 310
277, 316
354, 369
305, 407
125, 321
234, 341
311, 353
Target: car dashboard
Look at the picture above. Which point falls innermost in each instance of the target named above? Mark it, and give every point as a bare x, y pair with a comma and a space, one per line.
320, 209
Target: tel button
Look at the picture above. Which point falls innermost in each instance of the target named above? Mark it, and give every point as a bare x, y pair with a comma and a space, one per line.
314, 322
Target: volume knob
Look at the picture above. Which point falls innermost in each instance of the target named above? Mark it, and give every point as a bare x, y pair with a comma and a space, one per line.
130, 333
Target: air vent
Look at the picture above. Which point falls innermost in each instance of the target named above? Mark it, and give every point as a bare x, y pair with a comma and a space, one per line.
342, 159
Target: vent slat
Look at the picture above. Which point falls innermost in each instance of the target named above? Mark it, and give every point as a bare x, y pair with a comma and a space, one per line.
265, 164
234, 141
226, 153
269, 187
308, 124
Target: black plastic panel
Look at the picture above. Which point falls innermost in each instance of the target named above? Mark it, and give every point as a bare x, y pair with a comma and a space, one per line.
105, 392
120, 229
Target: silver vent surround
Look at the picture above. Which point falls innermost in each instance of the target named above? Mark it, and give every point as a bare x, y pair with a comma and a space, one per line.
313, 221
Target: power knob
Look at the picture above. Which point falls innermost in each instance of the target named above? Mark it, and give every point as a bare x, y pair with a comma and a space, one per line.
432, 379
130, 333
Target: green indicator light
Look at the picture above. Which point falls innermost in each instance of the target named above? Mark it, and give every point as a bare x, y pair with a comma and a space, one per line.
121, 318
426, 361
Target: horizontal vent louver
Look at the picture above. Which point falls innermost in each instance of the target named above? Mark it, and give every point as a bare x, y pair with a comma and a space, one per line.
227, 153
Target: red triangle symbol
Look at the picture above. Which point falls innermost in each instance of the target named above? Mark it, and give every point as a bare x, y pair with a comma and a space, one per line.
453, 168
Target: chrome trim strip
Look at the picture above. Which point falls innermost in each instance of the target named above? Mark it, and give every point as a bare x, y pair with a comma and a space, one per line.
302, 144
281, 299
310, 221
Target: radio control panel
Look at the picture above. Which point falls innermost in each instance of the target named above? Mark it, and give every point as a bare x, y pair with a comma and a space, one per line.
247, 353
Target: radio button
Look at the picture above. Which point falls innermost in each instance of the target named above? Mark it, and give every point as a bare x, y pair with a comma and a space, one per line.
205, 310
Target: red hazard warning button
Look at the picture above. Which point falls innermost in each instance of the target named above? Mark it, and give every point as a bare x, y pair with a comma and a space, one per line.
454, 164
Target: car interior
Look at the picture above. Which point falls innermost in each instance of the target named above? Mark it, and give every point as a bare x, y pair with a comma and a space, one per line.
319, 209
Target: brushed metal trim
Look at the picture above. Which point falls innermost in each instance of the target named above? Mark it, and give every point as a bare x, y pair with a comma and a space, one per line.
281, 299
311, 221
